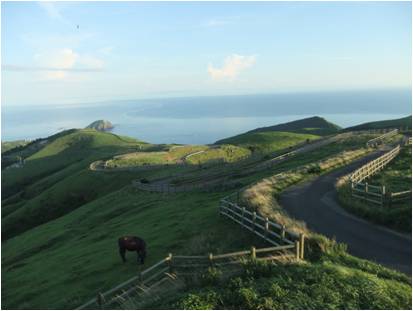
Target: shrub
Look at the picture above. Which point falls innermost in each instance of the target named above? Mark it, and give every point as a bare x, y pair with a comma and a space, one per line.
211, 277
316, 169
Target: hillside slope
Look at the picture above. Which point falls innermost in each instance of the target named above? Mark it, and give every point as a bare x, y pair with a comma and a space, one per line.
62, 224
313, 125
282, 136
395, 123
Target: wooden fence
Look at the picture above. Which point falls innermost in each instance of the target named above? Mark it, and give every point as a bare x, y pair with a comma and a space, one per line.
374, 166
379, 140
373, 193
171, 267
266, 229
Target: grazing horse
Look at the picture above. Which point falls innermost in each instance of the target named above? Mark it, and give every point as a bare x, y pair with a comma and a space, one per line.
134, 244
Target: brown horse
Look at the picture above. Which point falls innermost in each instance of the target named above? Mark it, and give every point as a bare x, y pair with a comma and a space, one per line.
134, 244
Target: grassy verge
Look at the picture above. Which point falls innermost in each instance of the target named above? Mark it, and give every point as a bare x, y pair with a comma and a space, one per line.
397, 176
398, 217
262, 196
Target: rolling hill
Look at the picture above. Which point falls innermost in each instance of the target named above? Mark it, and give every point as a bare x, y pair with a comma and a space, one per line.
61, 221
313, 125
395, 123
282, 136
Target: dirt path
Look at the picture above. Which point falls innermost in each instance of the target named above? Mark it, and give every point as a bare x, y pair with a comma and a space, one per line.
316, 203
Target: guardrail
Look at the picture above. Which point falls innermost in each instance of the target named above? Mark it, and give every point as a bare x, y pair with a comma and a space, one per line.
172, 266
379, 140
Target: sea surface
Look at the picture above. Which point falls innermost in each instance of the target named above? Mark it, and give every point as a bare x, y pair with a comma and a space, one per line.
204, 120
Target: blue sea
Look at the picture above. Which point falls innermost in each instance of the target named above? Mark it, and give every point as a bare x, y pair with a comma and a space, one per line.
204, 120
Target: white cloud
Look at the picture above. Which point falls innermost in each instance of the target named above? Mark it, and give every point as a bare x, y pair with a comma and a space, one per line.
52, 10
58, 64
233, 66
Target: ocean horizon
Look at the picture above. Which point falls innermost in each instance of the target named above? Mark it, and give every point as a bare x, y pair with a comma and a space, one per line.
204, 120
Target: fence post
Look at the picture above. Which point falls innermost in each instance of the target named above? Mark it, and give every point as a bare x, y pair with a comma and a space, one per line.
243, 215
253, 253
366, 191
170, 263
211, 258
267, 226
283, 232
301, 245
254, 216
383, 195
297, 250
100, 300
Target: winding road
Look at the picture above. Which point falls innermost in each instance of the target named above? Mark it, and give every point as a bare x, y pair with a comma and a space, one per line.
316, 204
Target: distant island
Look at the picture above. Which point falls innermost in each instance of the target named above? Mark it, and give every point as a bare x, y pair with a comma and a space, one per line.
100, 125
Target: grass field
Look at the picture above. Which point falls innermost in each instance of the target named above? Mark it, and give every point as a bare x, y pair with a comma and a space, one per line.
62, 221
268, 142
193, 155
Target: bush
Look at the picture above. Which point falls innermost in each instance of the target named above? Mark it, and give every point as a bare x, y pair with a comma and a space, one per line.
211, 277
316, 169
144, 181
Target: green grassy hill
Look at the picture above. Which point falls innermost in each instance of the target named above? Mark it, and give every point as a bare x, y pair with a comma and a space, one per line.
279, 137
8, 145
396, 123
56, 179
268, 142
61, 221
314, 125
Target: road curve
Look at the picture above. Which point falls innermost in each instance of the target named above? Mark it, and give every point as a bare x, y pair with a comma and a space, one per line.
316, 203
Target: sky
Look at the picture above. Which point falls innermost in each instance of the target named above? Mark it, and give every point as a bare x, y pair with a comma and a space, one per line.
72, 52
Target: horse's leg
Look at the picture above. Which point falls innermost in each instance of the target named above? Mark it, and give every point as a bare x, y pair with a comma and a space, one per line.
122, 252
138, 252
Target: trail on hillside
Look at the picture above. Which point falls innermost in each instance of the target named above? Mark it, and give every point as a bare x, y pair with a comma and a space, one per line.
316, 203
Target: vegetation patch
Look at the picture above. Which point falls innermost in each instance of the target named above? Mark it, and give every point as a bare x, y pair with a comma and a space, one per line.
268, 142
318, 285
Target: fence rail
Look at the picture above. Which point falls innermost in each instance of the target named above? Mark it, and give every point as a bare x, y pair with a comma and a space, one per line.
263, 227
379, 140
172, 266
373, 193
374, 166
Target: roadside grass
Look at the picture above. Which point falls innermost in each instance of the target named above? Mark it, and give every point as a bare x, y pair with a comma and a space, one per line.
263, 195
397, 217
397, 176
268, 142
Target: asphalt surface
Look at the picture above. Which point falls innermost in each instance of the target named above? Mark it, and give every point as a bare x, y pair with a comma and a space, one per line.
317, 205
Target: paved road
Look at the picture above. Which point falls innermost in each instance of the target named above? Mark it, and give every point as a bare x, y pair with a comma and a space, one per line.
316, 204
